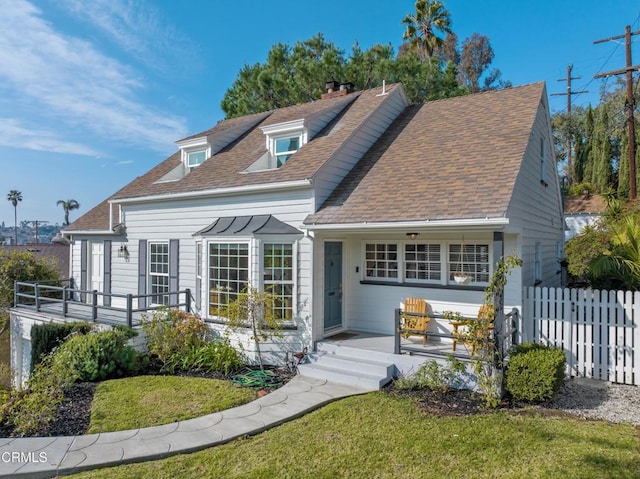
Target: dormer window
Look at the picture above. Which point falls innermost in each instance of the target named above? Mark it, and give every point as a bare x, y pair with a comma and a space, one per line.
194, 158
282, 141
283, 148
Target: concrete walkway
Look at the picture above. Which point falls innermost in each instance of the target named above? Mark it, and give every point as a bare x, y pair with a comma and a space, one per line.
40, 457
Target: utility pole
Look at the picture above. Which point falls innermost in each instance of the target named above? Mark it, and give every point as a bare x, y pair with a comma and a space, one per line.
630, 103
35, 223
569, 142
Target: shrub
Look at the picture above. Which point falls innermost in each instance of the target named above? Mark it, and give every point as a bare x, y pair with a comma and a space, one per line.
434, 376
535, 372
97, 356
31, 409
216, 356
172, 333
46, 337
22, 266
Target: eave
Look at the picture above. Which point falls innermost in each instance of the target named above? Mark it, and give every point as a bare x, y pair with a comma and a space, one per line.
477, 224
230, 191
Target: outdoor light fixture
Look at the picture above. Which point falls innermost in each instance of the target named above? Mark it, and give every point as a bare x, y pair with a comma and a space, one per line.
413, 235
123, 252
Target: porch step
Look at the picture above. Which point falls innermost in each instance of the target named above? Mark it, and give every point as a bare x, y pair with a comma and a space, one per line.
348, 368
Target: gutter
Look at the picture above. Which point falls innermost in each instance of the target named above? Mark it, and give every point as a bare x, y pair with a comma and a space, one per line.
475, 222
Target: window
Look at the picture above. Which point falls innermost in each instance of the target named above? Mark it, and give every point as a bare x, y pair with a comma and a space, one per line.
543, 161
159, 273
470, 260
278, 277
228, 273
284, 148
538, 263
381, 260
422, 262
194, 158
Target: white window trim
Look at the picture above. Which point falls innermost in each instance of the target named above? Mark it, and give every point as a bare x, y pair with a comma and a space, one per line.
150, 274
255, 266
260, 263
283, 130
207, 267
191, 152
444, 262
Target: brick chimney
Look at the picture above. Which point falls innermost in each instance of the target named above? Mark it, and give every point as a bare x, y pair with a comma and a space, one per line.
342, 89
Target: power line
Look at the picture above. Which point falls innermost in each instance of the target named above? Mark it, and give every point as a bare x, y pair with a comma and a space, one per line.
628, 71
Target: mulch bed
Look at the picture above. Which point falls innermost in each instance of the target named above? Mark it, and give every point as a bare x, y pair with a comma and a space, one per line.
73, 415
453, 402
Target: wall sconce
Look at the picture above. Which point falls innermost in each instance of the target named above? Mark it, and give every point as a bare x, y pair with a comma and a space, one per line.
413, 235
123, 252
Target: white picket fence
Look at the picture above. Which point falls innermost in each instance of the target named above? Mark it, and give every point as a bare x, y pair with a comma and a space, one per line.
598, 330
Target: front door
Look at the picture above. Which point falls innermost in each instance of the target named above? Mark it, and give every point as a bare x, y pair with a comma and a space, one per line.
332, 285
97, 269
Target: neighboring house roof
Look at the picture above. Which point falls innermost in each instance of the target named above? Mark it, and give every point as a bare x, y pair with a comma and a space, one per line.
448, 159
586, 204
57, 253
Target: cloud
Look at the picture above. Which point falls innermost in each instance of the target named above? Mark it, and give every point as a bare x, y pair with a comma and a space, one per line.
138, 29
63, 86
13, 134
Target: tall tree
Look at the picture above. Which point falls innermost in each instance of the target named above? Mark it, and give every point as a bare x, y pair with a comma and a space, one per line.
288, 77
477, 55
68, 206
14, 196
601, 173
423, 26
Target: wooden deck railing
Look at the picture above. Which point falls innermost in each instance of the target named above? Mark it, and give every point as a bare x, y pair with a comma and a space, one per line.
504, 333
62, 299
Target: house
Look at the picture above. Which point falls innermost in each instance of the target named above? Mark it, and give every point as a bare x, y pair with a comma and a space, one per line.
582, 211
344, 206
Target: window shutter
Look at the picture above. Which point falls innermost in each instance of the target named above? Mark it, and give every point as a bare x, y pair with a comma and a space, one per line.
174, 248
84, 245
142, 273
107, 273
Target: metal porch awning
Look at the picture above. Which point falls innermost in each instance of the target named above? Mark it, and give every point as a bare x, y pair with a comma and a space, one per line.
247, 226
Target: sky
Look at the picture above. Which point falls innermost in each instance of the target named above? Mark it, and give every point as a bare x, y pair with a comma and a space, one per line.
94, 93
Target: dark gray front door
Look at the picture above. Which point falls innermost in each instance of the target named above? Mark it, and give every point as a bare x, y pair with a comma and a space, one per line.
332, 284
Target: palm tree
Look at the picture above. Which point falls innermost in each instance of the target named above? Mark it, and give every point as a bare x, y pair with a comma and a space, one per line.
619, 265
68, 206
15, 196
422, 26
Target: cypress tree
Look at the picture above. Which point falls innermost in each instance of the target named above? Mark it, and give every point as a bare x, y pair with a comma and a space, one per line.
587, 155
602, 151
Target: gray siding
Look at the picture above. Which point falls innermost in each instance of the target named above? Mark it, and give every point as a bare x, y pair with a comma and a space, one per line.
334, 170
536, 209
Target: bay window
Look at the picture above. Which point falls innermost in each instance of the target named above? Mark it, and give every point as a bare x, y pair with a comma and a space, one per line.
228, 274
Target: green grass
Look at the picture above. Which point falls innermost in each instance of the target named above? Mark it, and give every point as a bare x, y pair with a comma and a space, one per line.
145, 401
381, 436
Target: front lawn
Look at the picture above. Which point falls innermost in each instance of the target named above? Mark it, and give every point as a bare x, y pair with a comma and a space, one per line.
145, 401
384, 436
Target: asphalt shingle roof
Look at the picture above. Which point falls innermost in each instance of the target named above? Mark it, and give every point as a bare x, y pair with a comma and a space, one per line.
449, 159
